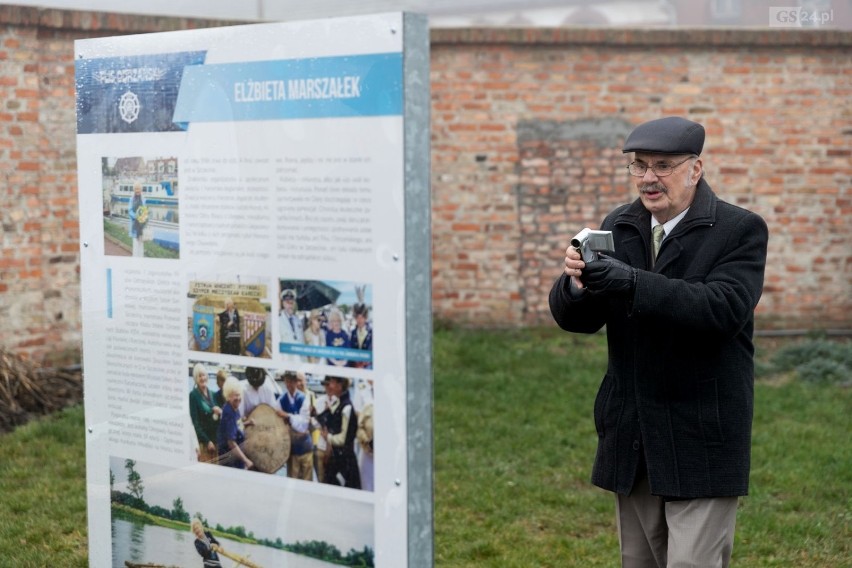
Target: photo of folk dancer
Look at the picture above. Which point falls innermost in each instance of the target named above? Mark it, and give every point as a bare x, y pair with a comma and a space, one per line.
296, 406
340, 426
677, 295
229, 329
319, 415
362, 401
314, 429
204, 410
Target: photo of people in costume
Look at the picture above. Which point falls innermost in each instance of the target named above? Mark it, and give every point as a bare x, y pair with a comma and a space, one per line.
140, 206
326, 323
283, 422
196, 516
229, 318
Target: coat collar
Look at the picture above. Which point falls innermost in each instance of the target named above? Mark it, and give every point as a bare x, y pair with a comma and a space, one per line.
702, 212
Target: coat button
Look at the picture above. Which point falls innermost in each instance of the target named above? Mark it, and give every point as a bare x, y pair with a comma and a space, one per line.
636, 445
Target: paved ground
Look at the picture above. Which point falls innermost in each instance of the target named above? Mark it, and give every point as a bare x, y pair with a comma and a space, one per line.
113, 249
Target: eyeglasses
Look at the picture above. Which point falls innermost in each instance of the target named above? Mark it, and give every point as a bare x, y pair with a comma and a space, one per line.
662, 169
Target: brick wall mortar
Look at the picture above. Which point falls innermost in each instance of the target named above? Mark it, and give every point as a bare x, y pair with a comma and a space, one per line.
22, 211
774, 102
779, 129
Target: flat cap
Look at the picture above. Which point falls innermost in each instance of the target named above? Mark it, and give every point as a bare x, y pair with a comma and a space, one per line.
669, 135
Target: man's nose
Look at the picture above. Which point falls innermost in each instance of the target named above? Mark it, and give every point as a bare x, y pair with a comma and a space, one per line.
650, 176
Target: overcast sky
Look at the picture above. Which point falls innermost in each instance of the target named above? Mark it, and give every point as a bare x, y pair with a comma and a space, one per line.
253, 10
449, 13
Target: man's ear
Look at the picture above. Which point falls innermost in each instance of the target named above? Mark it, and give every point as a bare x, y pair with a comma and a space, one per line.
697, 171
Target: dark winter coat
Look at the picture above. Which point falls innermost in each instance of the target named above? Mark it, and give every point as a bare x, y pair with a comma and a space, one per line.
679, 382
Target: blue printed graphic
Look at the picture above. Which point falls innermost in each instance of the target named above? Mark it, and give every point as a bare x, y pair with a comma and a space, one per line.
109, 292
328, 352
132, 93
203, 318
257, 344
320, 87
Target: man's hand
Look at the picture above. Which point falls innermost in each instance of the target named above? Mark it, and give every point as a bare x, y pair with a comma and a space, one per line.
574, 265
609, 276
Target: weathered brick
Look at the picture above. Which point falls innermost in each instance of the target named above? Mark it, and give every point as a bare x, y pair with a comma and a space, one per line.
768, 131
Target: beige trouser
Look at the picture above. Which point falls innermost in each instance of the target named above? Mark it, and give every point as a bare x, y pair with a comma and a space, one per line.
695, 533
301, 467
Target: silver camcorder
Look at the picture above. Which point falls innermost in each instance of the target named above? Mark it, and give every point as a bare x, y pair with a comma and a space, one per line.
589, 243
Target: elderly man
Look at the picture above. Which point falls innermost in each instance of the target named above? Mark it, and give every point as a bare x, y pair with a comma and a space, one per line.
677, 296
290, 324
229, 329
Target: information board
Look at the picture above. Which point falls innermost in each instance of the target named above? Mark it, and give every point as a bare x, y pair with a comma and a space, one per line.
255, 253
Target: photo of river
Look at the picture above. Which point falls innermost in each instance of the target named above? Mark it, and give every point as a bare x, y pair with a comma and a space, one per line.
153, 506
143, 543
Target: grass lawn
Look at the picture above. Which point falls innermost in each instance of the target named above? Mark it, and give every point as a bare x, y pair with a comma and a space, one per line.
43, 493
514, 443
118, 231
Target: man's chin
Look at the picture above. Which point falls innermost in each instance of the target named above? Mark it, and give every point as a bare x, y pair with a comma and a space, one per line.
652, 199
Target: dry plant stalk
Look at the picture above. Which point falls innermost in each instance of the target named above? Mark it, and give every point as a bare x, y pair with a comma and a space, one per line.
27, 390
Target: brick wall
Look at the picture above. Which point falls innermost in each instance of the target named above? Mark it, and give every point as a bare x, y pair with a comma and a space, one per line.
39, 237
526, 131
571, 172
21, 263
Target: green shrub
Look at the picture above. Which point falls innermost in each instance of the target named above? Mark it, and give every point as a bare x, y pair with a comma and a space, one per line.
823, 371
815, 361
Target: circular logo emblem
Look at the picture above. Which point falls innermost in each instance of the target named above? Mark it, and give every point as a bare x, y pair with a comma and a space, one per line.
128, 107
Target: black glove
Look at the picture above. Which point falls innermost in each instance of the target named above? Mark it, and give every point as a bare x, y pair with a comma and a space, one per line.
608, 276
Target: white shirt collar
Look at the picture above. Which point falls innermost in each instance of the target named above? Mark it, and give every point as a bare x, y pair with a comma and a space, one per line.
669, 225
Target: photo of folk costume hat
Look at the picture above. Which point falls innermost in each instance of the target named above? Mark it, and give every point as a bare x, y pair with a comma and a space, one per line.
342, 380
360, 308
255, 376
669, 135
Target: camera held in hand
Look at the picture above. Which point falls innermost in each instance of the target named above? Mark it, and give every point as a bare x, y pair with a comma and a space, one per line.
589, 243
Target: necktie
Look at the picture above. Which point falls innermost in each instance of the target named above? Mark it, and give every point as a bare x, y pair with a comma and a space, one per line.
658, 234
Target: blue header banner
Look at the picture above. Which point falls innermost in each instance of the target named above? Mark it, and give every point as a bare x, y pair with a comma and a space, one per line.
130, 94
319, 87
